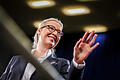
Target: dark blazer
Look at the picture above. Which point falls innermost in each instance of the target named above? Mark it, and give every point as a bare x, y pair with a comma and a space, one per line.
17, 65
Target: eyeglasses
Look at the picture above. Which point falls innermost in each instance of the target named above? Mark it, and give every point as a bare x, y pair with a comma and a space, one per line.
52, 29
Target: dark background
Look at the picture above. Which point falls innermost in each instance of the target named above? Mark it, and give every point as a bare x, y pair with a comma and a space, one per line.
102, 64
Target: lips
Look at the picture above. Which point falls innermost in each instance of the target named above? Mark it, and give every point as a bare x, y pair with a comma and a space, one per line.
52, 36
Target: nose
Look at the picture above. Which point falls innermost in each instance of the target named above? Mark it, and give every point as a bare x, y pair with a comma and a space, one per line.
55, 32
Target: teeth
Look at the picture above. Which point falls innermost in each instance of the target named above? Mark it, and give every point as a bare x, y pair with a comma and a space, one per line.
52, 37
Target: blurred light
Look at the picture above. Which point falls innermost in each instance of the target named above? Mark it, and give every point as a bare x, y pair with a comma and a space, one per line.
96, 28
75, 10
36, 24
101, 38
40, 3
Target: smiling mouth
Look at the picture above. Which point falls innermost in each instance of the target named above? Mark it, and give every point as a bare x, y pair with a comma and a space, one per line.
52, 38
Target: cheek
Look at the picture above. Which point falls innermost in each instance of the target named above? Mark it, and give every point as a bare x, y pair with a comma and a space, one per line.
42, 38
44, 34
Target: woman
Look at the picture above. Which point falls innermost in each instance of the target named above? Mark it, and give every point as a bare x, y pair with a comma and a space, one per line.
46, 38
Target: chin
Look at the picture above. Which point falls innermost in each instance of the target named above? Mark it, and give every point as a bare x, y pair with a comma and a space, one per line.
50, 44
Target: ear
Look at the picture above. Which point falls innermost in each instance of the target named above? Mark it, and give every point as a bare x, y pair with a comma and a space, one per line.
38, 31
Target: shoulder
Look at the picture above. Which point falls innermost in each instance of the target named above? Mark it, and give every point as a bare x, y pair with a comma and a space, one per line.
16, 58
13, 61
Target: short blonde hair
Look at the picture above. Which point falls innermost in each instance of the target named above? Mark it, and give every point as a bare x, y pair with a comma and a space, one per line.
41, 25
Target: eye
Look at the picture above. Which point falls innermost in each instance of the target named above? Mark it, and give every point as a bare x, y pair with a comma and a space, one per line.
51, 27
59, 32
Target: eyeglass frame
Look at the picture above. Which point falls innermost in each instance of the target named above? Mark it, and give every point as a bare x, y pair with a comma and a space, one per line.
60, 33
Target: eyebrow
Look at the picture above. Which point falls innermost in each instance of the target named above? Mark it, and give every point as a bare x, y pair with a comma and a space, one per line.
55, 28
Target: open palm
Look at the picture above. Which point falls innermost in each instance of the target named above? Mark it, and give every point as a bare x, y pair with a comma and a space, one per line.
84, 47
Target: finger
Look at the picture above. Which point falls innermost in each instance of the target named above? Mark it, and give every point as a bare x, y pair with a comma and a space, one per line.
93, 40
76, 49
81, 45
92, 48
85, 36
90, 36
78, 42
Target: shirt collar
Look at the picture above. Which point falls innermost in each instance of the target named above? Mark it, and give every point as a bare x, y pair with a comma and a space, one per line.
42, 58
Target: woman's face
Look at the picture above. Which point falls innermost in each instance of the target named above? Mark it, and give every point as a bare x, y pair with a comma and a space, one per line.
49, 37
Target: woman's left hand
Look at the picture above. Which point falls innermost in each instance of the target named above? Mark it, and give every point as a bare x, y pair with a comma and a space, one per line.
84, 47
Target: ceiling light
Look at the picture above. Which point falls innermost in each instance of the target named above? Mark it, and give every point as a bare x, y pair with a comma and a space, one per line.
40, 3
96, 28
36, 24
75, 10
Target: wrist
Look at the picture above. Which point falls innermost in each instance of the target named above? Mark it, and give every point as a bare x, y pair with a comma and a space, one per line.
78, 66
79, 61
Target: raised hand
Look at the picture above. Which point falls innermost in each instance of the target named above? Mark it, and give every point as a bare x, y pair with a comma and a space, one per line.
84, 47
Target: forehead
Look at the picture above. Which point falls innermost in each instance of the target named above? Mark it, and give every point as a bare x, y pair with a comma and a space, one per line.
55, 24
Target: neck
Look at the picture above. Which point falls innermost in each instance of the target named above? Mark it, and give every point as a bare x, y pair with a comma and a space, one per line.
41, 50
